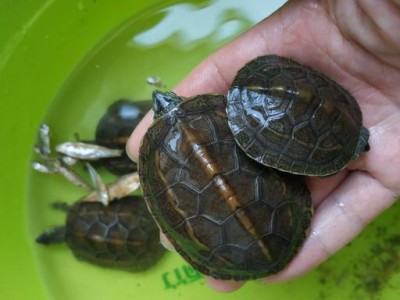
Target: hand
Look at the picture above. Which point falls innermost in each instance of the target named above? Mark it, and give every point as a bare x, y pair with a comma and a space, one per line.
356, 43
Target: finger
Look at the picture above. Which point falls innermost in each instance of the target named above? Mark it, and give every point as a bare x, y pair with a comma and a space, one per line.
133, 143
382, 161
166, 243
338, 219
320, 188
224, 286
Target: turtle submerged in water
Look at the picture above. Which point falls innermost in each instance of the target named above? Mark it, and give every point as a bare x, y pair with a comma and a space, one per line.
121, 235
109, 227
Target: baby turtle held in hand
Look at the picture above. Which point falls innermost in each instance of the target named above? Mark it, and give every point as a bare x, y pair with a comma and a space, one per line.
227, 215
290, 117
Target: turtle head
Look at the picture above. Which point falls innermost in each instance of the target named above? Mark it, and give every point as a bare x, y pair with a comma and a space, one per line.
164, 102
363, 145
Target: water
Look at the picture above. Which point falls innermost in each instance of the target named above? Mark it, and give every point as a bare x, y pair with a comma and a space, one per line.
165, 41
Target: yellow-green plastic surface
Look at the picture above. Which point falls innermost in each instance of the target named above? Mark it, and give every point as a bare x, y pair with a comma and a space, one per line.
63, 62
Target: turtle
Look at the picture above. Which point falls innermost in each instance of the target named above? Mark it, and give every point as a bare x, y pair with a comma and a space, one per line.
114, 129
288, 116
121, 235
108, 227
225, 214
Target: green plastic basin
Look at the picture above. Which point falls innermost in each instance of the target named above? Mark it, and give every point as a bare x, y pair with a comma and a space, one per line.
64, 62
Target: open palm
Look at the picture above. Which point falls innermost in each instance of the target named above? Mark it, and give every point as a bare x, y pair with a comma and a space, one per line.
356, 43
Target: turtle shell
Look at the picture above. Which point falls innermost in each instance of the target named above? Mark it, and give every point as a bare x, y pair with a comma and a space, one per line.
227, 215
114, 129
290, 117
122, 235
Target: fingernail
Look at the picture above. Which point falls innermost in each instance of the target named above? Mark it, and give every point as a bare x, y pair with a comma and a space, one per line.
261, 282
166, 244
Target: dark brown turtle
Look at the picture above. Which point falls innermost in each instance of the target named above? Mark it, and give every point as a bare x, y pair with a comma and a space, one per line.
290, 117
114, 129
227, 215
122, 235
